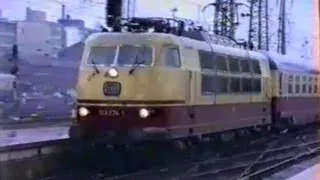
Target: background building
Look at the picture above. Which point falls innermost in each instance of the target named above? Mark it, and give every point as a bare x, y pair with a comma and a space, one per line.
34, 15
7, 36
39, 38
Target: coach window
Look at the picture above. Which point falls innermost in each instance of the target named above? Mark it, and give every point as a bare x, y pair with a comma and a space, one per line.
315, 87
245, 66
310, 89
297, 88
290, 87
256, 85
297, 82
304, 88
234, 64
310, 85
206, 59
172, 58
221, 62
256, 67
207, 84
304, 84
235, 85
222, 84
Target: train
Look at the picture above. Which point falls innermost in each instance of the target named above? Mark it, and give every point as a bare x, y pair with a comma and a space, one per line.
175, 84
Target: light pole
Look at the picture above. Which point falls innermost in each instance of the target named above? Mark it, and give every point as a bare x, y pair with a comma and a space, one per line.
173, 11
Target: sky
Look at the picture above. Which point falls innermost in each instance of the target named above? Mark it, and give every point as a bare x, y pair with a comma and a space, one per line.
299, 12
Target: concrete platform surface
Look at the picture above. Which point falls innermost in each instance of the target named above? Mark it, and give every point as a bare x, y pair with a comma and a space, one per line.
30, 135
312, 173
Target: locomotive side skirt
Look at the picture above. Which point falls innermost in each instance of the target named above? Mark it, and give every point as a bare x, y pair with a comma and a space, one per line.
172, 121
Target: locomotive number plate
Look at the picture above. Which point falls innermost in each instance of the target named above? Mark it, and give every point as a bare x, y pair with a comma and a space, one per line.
110, 112
112, 88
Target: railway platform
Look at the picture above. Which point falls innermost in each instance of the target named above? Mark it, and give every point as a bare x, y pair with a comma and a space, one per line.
312, 173
9, 137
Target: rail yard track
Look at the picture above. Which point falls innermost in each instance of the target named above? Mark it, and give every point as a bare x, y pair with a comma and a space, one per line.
280, 153
260, 157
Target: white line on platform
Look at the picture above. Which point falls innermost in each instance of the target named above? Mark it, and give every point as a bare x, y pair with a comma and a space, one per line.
22, 136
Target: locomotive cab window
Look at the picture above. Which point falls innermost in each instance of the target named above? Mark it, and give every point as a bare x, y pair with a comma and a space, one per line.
131, 55
102, 55
172, 57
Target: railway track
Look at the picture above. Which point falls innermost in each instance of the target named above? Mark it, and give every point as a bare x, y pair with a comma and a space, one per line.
54, 160
31, 160
266, 161
280, 152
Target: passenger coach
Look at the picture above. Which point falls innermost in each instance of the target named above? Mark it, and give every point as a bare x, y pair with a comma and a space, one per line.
295, 92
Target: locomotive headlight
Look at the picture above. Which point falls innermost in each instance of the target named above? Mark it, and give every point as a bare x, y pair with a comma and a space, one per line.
83, 111
113, 72
144, 113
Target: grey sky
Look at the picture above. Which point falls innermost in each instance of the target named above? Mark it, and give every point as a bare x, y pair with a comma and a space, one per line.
92, 11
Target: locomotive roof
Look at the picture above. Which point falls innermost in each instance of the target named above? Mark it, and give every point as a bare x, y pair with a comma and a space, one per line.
276, 61
100, 38
290, 64
226, 50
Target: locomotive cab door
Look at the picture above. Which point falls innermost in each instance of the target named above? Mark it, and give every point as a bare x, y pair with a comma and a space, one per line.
172, 61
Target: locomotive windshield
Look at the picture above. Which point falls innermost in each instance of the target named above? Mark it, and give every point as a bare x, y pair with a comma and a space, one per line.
130, 55
102, 55
124, 55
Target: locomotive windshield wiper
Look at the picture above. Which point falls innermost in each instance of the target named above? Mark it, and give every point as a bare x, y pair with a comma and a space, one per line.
136, 62
96, 70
